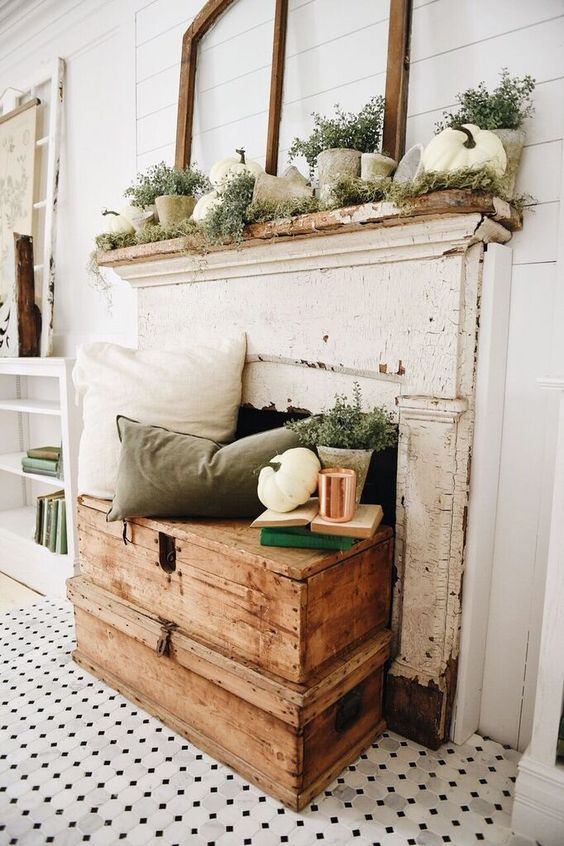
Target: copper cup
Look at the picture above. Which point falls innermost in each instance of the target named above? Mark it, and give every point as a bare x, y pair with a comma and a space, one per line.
337, 490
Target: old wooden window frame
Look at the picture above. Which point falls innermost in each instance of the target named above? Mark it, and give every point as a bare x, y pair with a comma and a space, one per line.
397, 78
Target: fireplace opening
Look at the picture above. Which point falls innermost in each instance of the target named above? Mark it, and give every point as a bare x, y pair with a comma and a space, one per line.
380, 484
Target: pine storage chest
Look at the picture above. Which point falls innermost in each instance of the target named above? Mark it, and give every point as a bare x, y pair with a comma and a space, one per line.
290, 739
289, 612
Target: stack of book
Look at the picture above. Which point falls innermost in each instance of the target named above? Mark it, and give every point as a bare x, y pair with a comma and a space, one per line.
45, 461
305, 528
51, 522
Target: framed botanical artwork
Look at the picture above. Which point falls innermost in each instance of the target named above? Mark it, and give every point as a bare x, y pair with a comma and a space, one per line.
30, 131
18, 132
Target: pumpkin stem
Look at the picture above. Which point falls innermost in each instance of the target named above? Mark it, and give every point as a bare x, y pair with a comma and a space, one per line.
242, 154
108, 211
274, 464
470, 142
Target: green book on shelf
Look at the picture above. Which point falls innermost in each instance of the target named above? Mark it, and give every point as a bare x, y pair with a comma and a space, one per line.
51, 524
40, 465
61, 534
300, 537
50, 453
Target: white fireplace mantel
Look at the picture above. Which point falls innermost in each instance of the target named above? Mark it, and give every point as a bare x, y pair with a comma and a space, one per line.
395, 305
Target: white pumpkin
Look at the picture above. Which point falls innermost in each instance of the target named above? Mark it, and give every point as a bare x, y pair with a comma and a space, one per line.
204, 206
231, 166
289, 480
117, 223
466, 147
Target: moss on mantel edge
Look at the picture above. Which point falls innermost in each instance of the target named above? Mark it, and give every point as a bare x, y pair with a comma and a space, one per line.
352, 218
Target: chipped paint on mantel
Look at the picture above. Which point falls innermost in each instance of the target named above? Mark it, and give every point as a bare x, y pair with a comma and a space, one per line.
398, 307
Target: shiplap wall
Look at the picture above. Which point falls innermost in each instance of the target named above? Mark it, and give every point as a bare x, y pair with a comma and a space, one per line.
123, 62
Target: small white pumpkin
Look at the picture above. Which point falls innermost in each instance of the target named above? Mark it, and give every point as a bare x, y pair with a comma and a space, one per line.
289, 480
204, 206
231, 166
117, 223
465, 147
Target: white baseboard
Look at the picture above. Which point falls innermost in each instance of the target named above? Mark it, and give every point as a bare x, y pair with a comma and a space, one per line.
538, 808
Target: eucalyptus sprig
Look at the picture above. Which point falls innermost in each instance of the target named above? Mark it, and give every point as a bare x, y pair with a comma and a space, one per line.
347, 426
358, 131
506, 107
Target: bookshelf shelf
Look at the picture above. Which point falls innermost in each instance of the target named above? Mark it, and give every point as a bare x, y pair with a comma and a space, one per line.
11, 462
36, 401
27, 561
31, 406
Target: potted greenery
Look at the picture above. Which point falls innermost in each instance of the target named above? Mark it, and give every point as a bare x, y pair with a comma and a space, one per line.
347, 436
503, 111
337, 143
173, 190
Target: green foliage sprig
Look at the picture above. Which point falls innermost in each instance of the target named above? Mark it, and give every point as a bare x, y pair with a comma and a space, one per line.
347, 426
506, 107
227, 219
358, 131
161, 179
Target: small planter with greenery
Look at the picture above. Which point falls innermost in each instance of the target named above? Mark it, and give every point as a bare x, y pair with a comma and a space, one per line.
503, 111
347, 436
173, 190
336, 143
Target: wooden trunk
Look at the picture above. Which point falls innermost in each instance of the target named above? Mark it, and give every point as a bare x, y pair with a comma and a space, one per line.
287, 611
290, 739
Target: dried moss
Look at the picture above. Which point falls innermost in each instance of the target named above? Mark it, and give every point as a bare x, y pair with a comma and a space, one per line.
264, 211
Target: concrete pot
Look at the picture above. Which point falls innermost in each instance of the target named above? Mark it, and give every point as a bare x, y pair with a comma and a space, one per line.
278, 189
352, 459
173, 209
513, 141
333, 165
374, 166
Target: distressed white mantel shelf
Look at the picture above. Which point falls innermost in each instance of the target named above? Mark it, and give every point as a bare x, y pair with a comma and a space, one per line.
395, 301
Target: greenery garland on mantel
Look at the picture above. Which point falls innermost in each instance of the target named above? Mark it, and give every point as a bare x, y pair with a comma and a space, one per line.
228, 221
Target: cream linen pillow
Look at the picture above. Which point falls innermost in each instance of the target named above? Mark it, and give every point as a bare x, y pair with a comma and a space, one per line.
195, 391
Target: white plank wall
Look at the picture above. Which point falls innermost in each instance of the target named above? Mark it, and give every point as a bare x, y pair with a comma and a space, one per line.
123, 59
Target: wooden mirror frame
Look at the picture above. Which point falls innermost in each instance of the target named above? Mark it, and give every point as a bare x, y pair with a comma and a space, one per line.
397, 78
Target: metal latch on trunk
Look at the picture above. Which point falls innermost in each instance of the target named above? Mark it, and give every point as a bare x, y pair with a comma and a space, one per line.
163, 643
167, 553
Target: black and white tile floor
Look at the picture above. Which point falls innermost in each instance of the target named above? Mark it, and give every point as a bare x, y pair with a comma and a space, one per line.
79, 763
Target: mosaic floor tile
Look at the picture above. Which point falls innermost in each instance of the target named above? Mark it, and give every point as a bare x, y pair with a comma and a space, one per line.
81, 764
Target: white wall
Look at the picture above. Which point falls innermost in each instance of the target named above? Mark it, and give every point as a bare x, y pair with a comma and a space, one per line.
120, 113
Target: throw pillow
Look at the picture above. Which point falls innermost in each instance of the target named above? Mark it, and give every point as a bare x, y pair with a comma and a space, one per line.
168, 474
193, 390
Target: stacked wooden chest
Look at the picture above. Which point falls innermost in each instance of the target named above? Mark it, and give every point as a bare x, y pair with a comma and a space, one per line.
272, 660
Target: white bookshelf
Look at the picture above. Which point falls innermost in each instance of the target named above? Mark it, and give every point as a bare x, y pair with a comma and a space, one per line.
36, 408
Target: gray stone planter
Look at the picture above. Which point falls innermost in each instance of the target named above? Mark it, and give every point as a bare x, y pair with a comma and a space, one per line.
513, 141
173, 209
352, 459
333, 165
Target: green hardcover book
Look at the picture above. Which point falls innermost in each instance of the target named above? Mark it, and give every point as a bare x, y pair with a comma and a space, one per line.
51, 524
39, 465
64, 544
300, 538
43, 540
60, 507
50, 453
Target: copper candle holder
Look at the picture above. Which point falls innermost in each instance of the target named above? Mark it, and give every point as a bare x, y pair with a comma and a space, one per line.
337, 490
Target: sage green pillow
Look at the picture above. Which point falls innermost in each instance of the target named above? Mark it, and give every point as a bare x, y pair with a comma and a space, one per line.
168, 474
